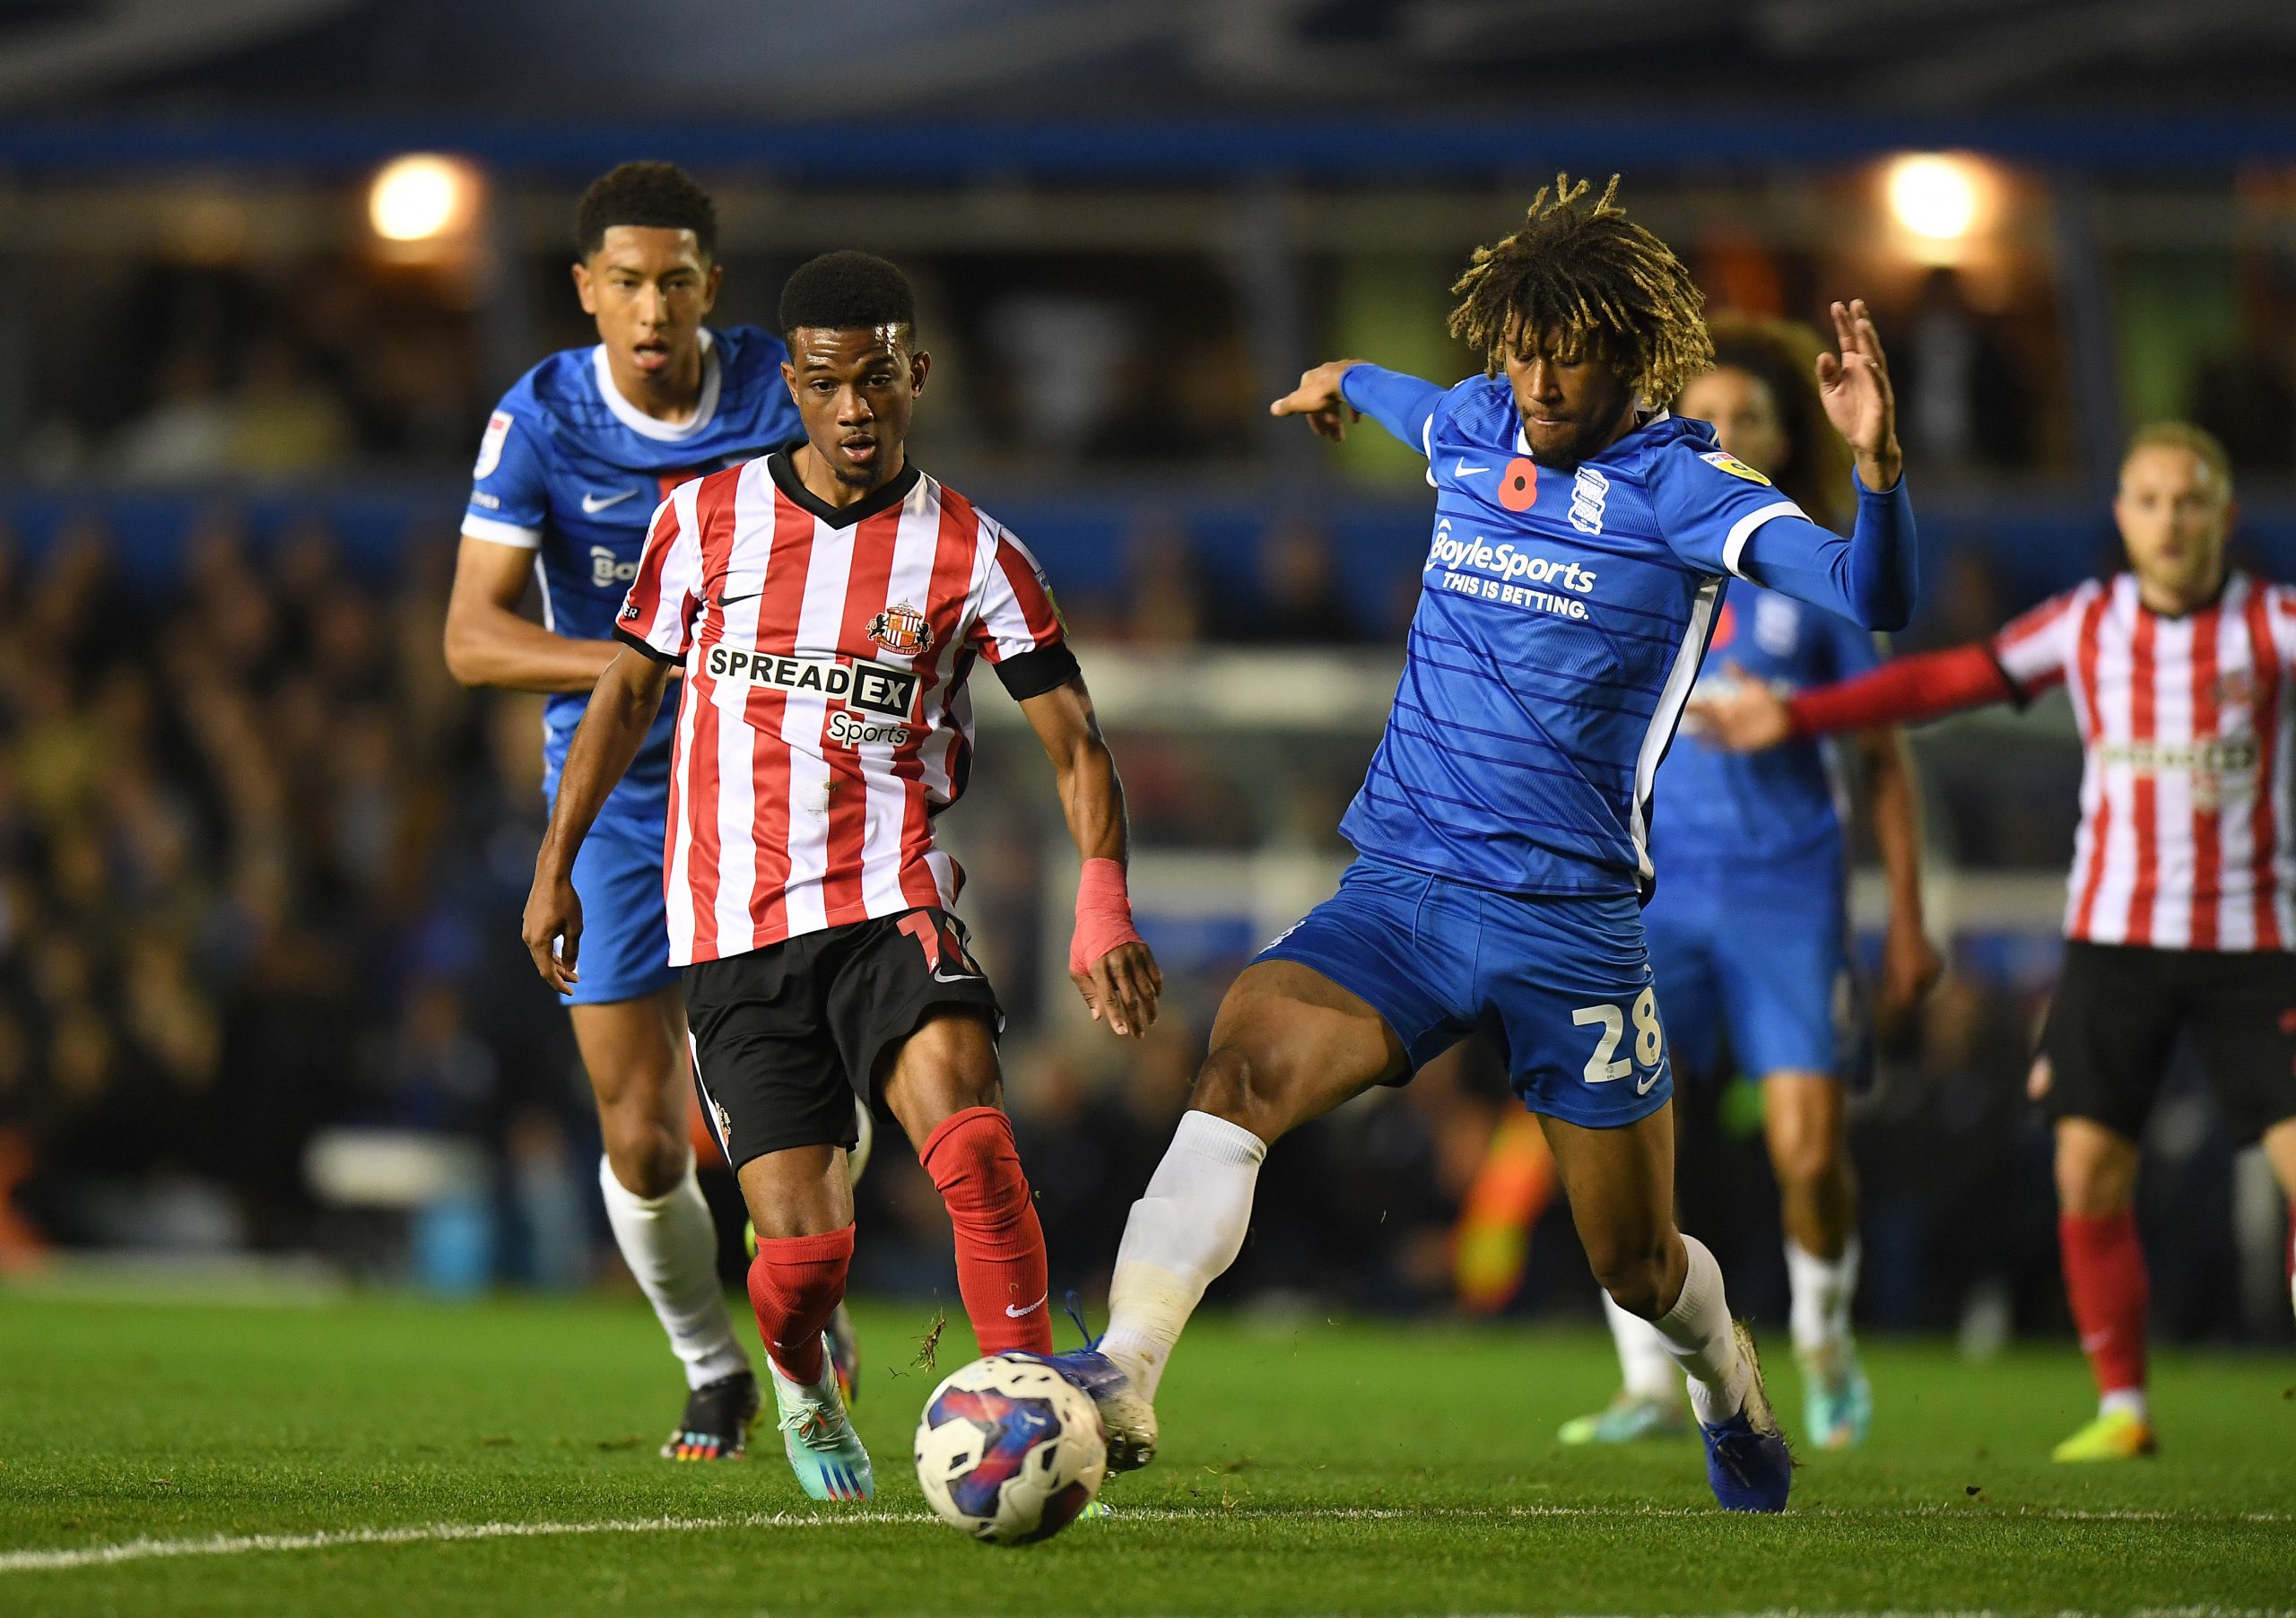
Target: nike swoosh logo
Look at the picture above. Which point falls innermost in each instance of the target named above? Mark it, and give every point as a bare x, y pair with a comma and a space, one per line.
1033, 1309
592, 505
1644, 1087
727, 601
1463, 470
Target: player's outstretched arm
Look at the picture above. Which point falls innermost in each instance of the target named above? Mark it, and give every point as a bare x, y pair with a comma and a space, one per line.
488, 643
1872, 576
614, 727
1112, 968
1748, 716
1340, 391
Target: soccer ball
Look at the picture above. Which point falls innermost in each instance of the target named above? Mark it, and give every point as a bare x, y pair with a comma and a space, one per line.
1009, 1450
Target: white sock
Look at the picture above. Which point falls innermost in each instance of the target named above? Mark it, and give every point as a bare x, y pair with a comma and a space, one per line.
2130, 1399
1645, 1362
1822, 1289
1697, 1333
1184, 1231
671, 1246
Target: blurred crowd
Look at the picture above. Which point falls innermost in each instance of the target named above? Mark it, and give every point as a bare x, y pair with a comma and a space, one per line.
278, 367
261, 864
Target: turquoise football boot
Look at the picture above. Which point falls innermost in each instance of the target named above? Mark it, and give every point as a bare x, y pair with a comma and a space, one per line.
1627, 1419
818, 1436
1836, 1400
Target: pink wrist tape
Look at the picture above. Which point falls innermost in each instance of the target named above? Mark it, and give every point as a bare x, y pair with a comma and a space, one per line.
1104, 914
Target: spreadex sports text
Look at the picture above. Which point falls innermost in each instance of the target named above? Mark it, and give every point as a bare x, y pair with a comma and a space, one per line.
880, 689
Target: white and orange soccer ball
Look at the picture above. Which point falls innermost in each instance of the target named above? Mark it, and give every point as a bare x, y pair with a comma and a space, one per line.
1010, 1451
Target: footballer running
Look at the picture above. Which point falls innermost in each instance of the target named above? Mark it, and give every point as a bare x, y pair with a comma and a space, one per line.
575, 459
2181, 909
1582, 538
825, 604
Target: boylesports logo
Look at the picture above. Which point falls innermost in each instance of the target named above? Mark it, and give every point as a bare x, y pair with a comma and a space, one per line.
902, 630
872, 687
1508, 575
1505, 561
607, 569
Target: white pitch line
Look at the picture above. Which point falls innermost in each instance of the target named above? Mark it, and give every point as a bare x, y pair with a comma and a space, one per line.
65, 1559
241, 1545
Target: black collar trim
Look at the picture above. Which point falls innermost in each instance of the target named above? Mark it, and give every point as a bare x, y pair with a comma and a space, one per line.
785, 479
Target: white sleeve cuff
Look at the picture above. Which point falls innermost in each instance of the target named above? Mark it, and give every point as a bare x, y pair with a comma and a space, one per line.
1733, 544
495, 531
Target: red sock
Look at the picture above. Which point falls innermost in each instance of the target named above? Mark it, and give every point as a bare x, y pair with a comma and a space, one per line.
2104, 1280
796, 1284
1001, 1269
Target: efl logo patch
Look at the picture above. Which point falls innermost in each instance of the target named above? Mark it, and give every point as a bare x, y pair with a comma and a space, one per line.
901, 629
490, 448
1724, 461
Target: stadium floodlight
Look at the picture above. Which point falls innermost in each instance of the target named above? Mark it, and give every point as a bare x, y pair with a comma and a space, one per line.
423, 197
1935, 195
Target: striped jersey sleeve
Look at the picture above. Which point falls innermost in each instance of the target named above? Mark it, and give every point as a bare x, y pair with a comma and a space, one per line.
2281, 614
1016, 613
2035, 650
658, 616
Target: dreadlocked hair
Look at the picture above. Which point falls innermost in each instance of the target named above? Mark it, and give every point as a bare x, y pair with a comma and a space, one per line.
1580, 276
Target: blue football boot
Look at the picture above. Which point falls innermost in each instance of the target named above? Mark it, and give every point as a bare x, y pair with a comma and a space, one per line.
1747, 1462
1130, 1420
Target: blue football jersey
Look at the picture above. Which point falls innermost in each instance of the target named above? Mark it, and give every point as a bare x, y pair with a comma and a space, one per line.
573, 472
1562, 619
1781, 805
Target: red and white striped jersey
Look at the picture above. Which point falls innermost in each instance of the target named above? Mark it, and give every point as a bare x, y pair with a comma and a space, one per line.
824, 720
2188, 727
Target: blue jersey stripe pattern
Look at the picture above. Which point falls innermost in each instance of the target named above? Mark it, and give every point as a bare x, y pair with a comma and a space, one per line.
1562, 620
576, 475
1783, 805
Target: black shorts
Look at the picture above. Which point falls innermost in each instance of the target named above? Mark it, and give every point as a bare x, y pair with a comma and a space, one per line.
786, 1037
2119, 1009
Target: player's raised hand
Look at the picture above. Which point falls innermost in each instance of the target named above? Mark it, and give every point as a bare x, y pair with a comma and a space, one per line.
1742, 715
1317, 397
553, 929
1855, 385
1123, 989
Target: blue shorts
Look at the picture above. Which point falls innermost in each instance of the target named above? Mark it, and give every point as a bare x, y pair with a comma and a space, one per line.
625, 952
1561, 986
1758, 965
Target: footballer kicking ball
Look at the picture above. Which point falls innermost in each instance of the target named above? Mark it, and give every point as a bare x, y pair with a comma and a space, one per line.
1010, 1451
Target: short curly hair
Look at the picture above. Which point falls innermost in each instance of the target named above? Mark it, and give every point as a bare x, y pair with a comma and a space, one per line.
650, 195
1579, 272
846, 289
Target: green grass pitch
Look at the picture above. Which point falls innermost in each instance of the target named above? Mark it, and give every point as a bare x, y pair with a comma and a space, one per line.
500, 1459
